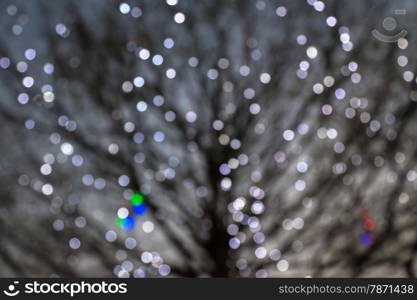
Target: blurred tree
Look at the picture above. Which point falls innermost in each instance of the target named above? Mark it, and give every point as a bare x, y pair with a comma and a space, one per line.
265, 138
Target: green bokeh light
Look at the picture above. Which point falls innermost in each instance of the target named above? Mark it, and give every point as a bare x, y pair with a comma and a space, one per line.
137, 199
119, 222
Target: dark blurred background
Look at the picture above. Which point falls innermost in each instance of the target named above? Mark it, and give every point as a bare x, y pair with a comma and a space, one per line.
216, 138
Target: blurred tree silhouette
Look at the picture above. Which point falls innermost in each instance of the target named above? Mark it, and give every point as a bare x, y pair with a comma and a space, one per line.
269, 138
